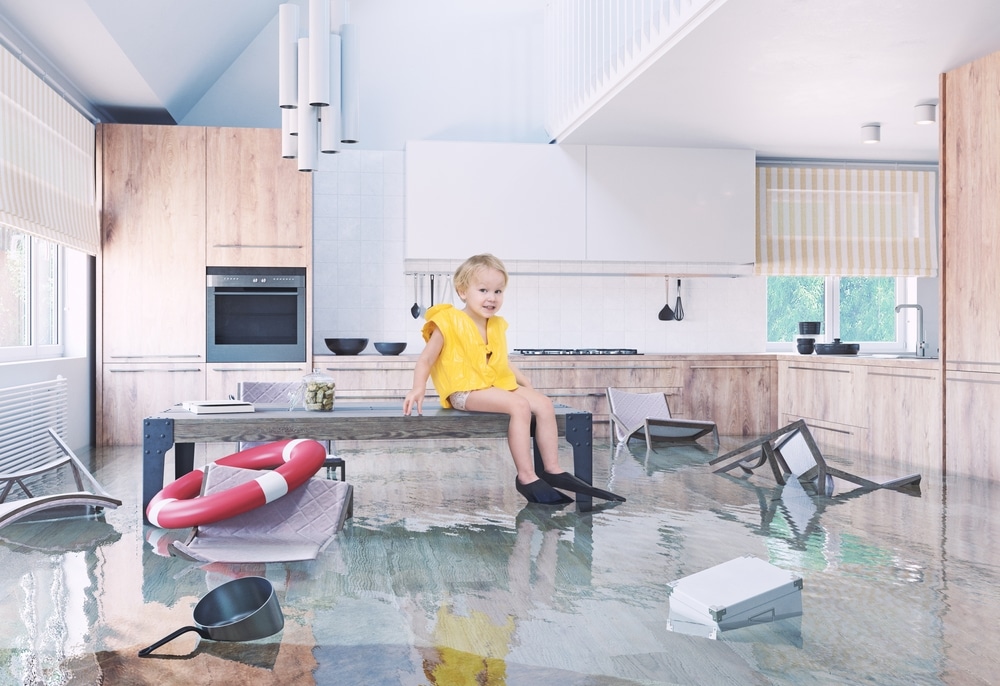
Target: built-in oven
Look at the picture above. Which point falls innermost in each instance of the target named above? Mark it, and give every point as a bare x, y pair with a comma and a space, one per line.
256, 314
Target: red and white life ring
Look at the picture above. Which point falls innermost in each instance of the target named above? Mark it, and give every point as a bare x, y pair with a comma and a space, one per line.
179, 506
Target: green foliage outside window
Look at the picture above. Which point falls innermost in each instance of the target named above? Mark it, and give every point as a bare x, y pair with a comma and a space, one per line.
790, 300
867, 309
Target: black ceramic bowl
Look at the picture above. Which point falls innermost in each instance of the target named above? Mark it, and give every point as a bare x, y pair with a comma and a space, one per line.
806, 346
390, 348
346, 346
809, 328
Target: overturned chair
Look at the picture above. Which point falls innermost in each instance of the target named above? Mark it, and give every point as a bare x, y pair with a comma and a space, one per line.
792, 451
647, 415
285, 393
33, 455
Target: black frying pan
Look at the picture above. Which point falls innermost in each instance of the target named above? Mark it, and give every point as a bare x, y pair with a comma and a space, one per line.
239, 610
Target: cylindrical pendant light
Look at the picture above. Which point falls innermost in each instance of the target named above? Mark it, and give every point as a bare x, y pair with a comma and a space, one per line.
289, 147
337, 16
308, 126
288, 36
350, 105
329, 125
319, 53
871, 134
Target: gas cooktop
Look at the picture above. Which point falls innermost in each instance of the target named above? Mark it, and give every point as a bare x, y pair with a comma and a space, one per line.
575, 351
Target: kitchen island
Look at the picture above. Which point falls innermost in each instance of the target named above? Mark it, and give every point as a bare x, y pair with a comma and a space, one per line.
179, 429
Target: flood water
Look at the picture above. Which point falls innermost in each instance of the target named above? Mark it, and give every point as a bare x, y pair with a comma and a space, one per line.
445, 576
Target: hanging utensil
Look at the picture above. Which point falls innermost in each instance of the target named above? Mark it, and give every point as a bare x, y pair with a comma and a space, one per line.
415, 310
432, 290
678, 307
422, 308
666, 314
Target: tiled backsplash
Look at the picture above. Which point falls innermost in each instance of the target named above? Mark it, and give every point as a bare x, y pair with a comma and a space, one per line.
363, 288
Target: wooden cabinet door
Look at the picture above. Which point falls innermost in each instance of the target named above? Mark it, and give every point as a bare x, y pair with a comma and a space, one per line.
735, 395
153, 244
259, 206
905, 416
973, 403
134, 391
832, 393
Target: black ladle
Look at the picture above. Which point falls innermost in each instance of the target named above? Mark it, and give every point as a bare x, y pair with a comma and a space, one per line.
415, 310
678, 307
666, 314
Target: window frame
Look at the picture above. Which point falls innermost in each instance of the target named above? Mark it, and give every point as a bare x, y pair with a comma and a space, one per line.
906, 289
37, 271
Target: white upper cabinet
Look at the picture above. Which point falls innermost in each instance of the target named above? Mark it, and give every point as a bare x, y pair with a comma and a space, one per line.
673, 205
517, 201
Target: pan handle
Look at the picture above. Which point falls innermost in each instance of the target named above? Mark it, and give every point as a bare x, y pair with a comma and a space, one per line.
166, 639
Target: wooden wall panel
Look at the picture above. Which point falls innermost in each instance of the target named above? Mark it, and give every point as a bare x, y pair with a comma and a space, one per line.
970, 182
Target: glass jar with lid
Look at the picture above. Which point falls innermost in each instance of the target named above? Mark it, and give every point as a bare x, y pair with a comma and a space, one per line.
318, 392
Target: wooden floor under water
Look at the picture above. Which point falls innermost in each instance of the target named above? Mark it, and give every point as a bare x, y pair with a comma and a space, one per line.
446, 576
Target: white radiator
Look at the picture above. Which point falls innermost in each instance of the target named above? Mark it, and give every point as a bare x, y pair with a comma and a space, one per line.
26, 414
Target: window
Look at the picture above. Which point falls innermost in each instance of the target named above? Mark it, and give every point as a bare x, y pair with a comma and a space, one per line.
30, 297
856, 309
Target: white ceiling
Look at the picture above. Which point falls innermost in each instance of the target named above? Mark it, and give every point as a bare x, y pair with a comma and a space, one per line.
788, 78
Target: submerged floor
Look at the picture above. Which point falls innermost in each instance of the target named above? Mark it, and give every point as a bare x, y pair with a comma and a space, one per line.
445, 576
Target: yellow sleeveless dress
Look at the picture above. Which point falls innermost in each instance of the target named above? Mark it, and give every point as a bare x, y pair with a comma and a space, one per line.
467, 362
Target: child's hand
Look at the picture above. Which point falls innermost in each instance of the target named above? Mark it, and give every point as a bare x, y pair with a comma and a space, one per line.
413, 399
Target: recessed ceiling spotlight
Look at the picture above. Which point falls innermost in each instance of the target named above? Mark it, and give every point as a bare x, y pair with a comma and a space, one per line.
925, 113
871, 133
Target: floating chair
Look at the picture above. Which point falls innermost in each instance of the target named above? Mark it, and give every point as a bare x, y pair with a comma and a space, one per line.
647, 415
88, 498
792, 451
285, 393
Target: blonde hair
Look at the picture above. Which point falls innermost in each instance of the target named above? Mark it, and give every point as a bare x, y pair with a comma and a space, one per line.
466, 270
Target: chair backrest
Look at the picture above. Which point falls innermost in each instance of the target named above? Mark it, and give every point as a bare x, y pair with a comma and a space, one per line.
268, 392
796, 453
271, 393
633, 409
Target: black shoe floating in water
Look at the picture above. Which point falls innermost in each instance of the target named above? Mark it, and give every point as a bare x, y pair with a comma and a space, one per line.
569, 482
540, 492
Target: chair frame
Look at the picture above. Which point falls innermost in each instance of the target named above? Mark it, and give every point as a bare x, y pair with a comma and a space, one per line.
89, 494
768, 450
244, 388
690, 429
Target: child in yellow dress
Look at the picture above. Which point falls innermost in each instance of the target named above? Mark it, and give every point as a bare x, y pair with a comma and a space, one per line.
466, 358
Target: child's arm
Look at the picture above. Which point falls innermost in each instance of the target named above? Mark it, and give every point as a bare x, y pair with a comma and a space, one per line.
422, 371
521, 379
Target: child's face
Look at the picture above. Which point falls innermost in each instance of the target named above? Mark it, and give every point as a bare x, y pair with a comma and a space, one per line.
485, 293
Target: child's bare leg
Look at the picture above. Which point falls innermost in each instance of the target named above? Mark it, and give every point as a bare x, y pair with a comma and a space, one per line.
519, 429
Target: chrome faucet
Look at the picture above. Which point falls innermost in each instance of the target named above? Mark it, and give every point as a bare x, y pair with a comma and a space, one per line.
921, 344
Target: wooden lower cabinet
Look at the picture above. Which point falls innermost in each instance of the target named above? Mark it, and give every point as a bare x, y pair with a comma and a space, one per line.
134, 391
904, 418
864, 407
736, 395
972, 407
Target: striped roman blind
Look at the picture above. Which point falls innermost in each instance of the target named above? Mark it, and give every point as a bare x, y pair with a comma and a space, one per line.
47, 173
816, 221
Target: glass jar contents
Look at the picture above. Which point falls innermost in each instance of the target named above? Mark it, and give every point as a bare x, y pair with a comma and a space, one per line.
318, 391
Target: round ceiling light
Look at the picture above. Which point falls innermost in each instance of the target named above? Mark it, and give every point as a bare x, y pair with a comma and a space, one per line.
871, 133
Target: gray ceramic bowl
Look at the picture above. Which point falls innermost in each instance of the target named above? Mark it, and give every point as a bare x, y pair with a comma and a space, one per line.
390, 348
346, 346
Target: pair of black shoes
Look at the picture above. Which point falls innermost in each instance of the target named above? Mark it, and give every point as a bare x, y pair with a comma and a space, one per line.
543, 490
